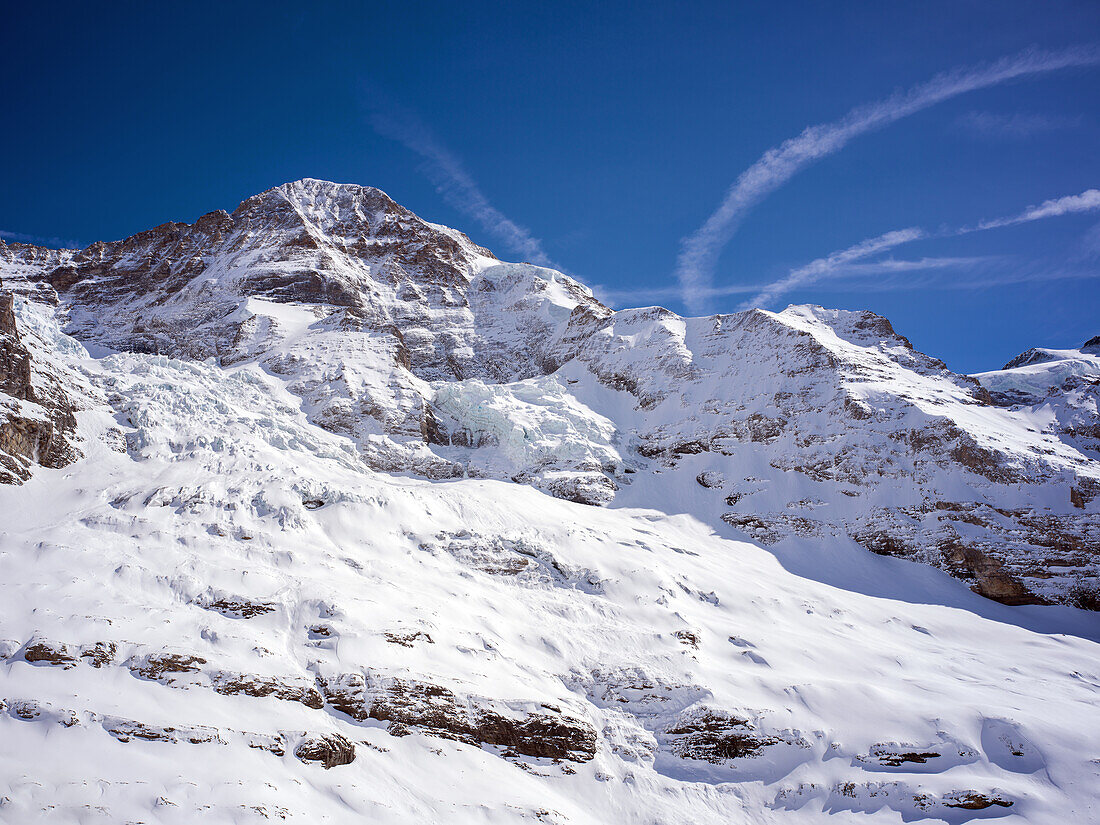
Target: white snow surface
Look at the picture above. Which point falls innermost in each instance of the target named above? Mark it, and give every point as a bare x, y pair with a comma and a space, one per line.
634, 620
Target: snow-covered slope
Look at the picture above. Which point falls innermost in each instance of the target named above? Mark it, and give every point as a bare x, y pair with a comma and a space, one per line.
1058, 389
439, 360
323, 548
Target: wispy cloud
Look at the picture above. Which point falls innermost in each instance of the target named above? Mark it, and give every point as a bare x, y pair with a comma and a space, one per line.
1019, 126
823, 267
699, 252
644, 295
851, 271
1034, 272
39, 240
455, 184
846, 260
893, 266
1088, 248
1087, 201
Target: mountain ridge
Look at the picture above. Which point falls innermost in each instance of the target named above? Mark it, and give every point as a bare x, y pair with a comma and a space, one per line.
319, 511
424, 329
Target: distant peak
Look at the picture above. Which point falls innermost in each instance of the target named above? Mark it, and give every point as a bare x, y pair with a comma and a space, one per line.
317, 185
312, 191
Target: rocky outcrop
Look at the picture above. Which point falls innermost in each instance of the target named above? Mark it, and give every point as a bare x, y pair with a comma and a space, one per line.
713, 736
328, 750
37, 421
409, 706
288, 690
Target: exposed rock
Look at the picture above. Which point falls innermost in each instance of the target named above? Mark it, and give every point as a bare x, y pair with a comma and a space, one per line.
999, 551
500, 556
408, 639
716, 736
48, 652
1029, 357
329, 749
164, 666
687, 637
595, 489
238, 607
974, 801
409, 705
231, 684
125, 730
893, 758
99, 654
37, 425
710, 479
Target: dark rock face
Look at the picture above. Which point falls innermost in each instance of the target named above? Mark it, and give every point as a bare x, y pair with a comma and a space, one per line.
996, 550
974, 801
715, 737
51, 653
1031, 356
895, 758
328, 749
99, 654
230, 684
126, 729
238, 608
48, 652
310, 242
164, 666
409, 639
37, 425
409, 705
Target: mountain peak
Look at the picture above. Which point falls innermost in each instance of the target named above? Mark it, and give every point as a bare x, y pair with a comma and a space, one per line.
314, 197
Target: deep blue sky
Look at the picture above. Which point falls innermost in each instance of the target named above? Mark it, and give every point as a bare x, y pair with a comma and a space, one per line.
610, 131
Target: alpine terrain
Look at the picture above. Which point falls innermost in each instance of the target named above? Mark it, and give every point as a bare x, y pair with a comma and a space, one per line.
316, 511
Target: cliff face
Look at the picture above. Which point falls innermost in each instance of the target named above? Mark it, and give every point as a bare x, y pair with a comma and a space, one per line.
37, 424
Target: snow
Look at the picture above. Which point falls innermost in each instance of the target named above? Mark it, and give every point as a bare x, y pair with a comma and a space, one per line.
209, 500
1039, 379
526, 427
349, 445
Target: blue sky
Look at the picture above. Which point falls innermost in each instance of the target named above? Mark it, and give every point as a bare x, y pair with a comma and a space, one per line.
603, 139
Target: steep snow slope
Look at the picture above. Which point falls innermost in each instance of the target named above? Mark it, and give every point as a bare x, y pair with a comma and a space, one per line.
1058, 389
826, 423
197, 622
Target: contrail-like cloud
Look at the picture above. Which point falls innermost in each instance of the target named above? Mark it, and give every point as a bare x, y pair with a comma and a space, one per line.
823, 267
699, 252
1018, 126
887, 266
1087, 201
845, 260
456, 185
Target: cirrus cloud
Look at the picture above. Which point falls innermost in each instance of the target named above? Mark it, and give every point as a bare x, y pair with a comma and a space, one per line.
699, 252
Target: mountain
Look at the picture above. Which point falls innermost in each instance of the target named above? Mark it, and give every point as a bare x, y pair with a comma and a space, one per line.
1060, 386
318, 484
